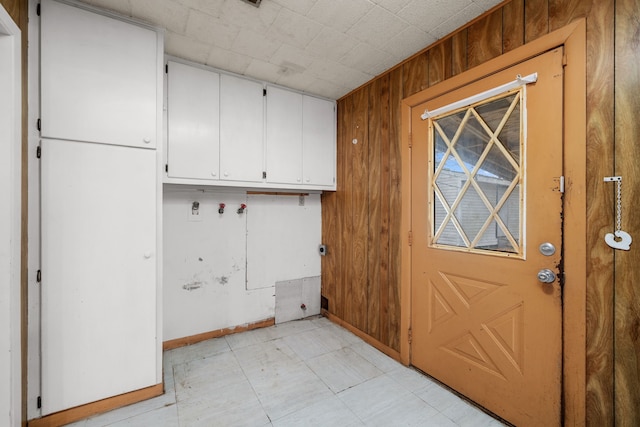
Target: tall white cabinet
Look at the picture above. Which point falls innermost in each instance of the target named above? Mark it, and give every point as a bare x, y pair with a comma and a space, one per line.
101, 195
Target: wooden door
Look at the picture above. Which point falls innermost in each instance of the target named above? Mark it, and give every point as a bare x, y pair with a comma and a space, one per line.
98, 272
486, 194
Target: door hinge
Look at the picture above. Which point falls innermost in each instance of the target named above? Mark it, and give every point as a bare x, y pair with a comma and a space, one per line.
38, 152
39, 125
38, 13
559, 184
564, 60
264, 92
39, 276
264, 174
166, 167
410, 139
39, 402
166, 68
410, 238
410, 335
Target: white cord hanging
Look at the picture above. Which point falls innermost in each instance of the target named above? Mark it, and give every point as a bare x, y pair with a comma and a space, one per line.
519, 81
618, 239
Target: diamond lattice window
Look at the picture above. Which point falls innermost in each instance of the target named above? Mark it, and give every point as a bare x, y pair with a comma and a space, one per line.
477, 176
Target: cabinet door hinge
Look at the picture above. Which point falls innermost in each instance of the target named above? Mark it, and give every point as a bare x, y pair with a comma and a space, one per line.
166, 167
38, 13
410, 238
264, 92
39, 276
39, 125
39, 402
38, 152
264, 174
410, 335
166, 68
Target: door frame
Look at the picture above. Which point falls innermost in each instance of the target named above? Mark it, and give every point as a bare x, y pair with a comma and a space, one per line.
10, 219
573, 38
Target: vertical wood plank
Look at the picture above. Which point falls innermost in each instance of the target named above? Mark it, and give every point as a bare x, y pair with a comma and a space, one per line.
459, 53
357, 298
536, 19
599, 286
345, 214
376, 108
563, 12
15, 9
627, 158
485, 39
395, 207
440, 62
416, 74
512, 25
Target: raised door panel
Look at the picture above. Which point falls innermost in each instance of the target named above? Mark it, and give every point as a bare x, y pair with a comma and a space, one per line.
319, 141
241, 129
98, 78
98, 272
284, 136
193, 110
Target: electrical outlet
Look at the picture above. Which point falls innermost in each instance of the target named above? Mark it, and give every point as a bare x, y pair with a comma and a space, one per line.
195, 213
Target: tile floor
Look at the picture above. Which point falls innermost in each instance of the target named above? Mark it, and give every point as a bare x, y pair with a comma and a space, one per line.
301, 373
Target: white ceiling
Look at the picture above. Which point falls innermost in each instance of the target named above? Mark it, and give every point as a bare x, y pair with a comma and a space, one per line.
323, 47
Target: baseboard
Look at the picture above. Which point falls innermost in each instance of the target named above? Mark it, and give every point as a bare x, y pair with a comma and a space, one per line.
367, 338
84, 411
193, 339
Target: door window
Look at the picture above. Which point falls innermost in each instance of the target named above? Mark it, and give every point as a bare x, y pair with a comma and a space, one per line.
477, 179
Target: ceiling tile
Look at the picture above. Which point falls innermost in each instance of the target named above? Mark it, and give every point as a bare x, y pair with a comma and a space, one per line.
120, 6
262, 70
299, 6
257, 19
408, 42
331, 44
228, 60
301, 81
255, 45
485, 5
166, 13
327, 89
186, 48
206, 28
392, 6
339, 14
457, 21
339, 73
369, 59
427, 17
210, 7
291, 59
294, 29
377, 26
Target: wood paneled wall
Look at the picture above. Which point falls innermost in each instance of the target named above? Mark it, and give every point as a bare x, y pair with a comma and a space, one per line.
18, 10
361, 272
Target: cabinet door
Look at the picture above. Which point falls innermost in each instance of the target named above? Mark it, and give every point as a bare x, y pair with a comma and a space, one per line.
284, 136
319, 141
193, 111
98, 272
98, 78
241, 129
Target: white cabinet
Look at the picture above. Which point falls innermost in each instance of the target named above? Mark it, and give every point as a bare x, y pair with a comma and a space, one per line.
99, 272
284, 136
241, 129
193, 125
227, 130
319, 141
301, 139
98, 78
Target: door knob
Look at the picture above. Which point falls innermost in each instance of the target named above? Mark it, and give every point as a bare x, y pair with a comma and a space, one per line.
546, 276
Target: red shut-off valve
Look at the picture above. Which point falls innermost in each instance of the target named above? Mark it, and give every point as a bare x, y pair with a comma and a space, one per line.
221, 208
242, 208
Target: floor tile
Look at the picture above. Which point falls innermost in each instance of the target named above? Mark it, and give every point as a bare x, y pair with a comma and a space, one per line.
375, 356
438, 396
329, 412
316, 342
373, 397
410, 379
204, 377
163, 417
342, 369
196, 351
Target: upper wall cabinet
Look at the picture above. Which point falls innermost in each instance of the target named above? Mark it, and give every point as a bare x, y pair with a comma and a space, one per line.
241, 129
95, 67
193, 124
229, 131
301, 139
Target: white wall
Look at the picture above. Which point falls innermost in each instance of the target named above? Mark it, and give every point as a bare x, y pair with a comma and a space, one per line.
220, 270
10, 213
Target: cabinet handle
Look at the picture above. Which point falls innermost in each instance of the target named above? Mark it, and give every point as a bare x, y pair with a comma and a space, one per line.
298, 179
308, 179
147, 255
226, 174
147, 140
213, 174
